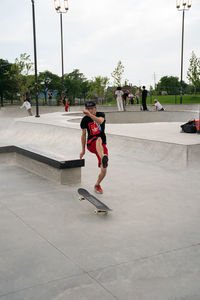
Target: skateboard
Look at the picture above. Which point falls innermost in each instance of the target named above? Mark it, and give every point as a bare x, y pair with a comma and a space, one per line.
100, 206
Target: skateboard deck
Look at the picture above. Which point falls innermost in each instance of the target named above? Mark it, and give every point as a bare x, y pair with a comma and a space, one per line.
100, 206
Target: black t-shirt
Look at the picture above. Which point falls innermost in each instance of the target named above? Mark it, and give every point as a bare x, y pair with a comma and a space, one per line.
94, 129
144, 94
125, 96
28, 96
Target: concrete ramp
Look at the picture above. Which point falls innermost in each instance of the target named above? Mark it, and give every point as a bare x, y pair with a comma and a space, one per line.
58, 141
157, 142
170, 155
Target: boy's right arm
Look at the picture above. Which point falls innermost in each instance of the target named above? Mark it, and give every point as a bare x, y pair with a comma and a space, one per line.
83, 143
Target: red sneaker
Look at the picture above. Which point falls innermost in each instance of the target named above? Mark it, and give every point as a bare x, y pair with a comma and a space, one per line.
98, 189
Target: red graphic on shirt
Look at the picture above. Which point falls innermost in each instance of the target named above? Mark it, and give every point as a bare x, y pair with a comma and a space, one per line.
94, 129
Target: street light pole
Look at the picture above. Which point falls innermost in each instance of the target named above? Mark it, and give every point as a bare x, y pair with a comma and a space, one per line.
61, 9
62, 56
186, 4
35, 59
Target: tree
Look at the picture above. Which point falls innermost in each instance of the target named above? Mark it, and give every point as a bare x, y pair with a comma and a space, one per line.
117, 74
170, 84
97, 87
193, 73
109, 94
48, 81
75, 84
21, 69
6, 84
85, 86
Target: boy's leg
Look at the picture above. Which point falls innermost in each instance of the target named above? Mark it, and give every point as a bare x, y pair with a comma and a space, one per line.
103, 162
102, 154
101, 176
99, 147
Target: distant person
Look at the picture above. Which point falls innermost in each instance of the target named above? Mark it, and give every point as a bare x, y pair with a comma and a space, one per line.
130, 98
58, 101
63, 100
137, 95
157, 105
144, 98
125, 97
119, 98
50, 96
67, 106
27, 105
28, 96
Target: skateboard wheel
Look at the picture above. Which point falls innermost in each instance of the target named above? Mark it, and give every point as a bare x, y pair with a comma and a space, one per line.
95, 212
81, 198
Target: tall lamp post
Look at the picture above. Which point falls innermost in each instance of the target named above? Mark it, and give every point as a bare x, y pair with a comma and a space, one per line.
61, 8
182, 6
35, 59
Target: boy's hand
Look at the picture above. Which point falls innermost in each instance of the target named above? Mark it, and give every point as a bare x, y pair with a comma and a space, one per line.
86, 112
82, 154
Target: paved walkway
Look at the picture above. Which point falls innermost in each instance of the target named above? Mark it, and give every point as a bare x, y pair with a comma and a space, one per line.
53, 247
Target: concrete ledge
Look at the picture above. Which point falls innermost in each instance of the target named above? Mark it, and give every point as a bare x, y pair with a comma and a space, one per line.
64, 172
172, 155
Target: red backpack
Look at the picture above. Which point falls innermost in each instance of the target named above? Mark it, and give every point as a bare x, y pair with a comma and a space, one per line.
197, 122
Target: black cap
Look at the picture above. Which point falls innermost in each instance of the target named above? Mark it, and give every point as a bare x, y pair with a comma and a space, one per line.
89, 104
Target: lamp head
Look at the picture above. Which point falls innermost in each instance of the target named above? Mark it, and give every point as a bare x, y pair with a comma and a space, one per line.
66, 5
178, 4
189, 3
57, 5
61, 7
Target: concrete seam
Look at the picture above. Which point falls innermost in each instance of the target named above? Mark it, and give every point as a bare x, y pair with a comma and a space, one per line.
102, 285
147, 257
39, 284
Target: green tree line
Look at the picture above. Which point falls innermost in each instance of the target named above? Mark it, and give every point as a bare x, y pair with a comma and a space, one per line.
16, 78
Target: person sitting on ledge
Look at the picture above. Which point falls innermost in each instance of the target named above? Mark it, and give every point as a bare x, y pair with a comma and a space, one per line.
158, 106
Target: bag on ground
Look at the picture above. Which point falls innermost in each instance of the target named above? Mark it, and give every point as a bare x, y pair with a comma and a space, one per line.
189, 127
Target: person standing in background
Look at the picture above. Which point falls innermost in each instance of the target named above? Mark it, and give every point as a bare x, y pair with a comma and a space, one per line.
28, 96
119, 98
130, 98
144, 98
50, 96
137, 95
125, 97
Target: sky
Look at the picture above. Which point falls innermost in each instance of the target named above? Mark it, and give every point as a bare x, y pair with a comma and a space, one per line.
145, 35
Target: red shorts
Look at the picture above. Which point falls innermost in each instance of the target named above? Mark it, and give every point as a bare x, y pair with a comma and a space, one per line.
92, 148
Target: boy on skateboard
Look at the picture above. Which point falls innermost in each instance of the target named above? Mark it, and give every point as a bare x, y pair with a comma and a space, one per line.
94, 124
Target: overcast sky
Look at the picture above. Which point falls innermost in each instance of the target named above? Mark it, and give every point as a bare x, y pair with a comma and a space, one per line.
145, 35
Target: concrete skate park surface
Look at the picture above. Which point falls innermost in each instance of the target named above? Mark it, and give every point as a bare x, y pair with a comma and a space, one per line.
53, 246
147, 141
